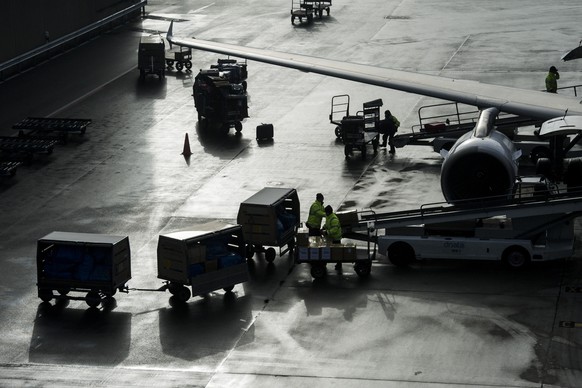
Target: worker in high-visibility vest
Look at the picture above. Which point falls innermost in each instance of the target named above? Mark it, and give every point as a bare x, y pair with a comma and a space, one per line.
333, 229
552, 80
316, 214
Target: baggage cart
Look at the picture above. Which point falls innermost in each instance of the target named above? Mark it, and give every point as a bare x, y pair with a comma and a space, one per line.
302, 9
318, 252
319, 7
207, 258
361, 130
218, 101
180, 56
151, 57
340, 108
270, 218
96, 264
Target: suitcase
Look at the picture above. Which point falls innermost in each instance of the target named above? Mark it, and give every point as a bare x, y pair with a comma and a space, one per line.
264, 132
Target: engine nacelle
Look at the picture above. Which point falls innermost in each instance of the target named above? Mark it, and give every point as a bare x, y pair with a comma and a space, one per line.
482, 164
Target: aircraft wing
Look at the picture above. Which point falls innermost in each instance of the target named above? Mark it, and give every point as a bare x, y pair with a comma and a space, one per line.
528, 103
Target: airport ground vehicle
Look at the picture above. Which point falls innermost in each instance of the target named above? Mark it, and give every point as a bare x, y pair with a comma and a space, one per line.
318, 252
180, 57
151, 56
537, 227
308, 9
96, 264
270, 217
219, 102
207, 258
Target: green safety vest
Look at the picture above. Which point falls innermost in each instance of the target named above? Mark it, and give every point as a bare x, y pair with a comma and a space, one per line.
333, 227
316, 214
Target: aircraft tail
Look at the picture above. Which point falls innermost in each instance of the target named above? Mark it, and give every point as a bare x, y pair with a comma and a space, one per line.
170, 33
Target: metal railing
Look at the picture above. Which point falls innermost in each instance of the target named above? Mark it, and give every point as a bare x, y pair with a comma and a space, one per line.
17, 63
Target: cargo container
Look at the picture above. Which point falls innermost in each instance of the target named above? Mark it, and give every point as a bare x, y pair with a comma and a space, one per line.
97, 264
209, 257
270, 218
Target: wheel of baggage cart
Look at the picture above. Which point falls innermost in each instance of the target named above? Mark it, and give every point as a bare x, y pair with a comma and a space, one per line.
516, 257
188, 65
250, 251
169, 63
93, 299
270, 254
338, 131
318, 270
363, 269
238, 126
229, 288
45, 295
183, 293
64, 290
179, 66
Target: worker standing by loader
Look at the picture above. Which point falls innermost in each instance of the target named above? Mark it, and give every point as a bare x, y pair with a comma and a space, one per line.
316, 214
388, 128
333, 229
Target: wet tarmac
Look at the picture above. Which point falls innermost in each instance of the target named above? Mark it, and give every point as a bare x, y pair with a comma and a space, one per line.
435, 324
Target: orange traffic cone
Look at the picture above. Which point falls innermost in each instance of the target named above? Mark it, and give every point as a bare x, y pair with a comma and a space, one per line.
186, 152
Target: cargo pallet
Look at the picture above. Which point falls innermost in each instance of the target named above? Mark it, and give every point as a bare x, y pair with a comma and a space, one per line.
8, 169
17, 148
50, 128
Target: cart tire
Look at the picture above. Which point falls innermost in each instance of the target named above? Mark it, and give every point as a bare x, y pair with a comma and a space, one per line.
228, 289
292, 19
270, 254
400, 254
188, 65
516, 257
170, 63
347, 151
93, 299
363, 269
183, 294
238, 126
338, 131
179, 66
318, 270
249, 251
45, 295
64, 290
174, 288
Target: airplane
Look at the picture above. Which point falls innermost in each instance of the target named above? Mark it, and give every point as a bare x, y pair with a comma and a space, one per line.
482, 163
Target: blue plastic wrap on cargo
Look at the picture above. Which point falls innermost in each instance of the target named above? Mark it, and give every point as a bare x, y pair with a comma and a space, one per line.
230, 260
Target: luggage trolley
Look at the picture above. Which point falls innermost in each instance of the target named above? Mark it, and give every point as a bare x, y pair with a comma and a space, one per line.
180, 56
318, 251
319, 7
270, 218
302, 9
360, 130
207, 258
96, 264
340, 108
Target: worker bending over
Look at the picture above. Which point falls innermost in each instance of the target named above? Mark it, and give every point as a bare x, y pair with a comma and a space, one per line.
316, 214
388, 128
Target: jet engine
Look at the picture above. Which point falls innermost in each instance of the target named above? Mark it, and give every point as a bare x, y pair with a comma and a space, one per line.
481, 165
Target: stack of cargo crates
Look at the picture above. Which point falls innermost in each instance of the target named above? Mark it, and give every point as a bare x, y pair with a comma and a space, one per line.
97, 264
270, 218
207, 258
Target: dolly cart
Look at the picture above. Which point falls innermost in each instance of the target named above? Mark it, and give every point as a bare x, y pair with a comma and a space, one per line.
82, 262
302, 9
340, 108
318, 252
207, 258
270, 217
319, 7
359, 131
181, 56
218, 101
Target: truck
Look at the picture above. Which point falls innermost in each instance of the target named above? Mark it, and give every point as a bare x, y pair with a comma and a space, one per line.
519, 232
151, 56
